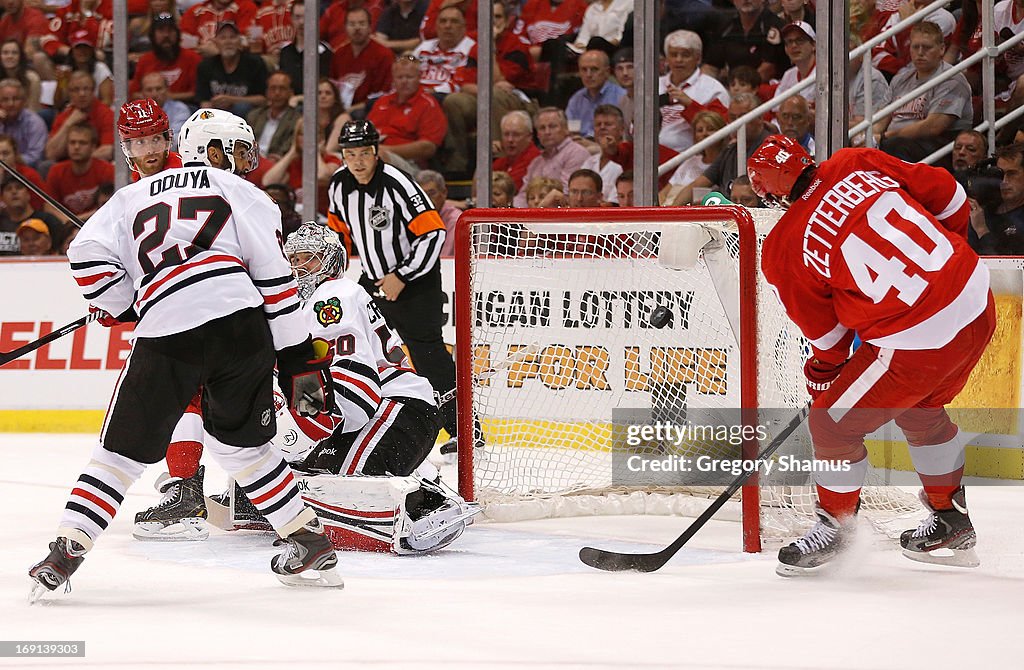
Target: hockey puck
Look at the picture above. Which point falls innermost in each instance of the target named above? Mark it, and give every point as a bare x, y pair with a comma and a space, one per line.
661, 317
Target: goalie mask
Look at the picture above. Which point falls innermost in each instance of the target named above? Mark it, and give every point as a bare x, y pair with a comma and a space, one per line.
227, 135
144, 130
774, 168
316, 255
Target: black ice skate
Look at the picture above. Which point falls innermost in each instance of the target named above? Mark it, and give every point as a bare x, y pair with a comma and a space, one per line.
813, 552
56, 569
945, 537
180, 515
307, 551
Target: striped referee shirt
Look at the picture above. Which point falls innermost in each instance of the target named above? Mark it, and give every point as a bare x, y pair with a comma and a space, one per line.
390, 220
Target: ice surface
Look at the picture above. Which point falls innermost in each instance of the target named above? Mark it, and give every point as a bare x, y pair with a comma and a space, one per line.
503, 596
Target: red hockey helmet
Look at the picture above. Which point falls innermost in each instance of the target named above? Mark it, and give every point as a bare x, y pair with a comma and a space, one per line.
144, 129
774, 168
141, 118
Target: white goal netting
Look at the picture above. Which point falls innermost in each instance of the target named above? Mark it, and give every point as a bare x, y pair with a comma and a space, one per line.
582, 322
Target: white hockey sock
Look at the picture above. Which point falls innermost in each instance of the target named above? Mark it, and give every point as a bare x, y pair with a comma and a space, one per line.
98, 495
268, 482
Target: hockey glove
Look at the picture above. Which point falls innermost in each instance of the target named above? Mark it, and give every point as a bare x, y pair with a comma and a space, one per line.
305, 380
104, 318
820, 376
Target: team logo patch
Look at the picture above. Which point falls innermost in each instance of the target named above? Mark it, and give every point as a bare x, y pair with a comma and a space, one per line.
206, 116
265, 417
380, 217
327, 311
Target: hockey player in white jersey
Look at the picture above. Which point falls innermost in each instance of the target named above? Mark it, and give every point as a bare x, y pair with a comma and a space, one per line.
195, 254
370, 483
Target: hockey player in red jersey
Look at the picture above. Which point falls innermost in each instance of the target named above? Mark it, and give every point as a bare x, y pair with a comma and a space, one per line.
145, 133
876, 246
196, 255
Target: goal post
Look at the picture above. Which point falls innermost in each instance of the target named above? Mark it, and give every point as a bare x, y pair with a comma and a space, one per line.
568, 320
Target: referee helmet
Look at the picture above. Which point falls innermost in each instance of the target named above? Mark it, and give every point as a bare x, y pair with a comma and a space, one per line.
358, 134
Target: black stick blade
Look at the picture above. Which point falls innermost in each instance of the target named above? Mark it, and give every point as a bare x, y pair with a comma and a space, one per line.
613, 561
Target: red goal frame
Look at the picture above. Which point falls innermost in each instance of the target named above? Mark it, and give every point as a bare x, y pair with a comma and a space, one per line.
748, 316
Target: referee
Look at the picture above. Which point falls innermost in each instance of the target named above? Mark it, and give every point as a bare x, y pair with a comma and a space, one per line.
399, 236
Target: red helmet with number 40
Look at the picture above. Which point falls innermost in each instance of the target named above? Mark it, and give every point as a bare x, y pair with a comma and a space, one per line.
143, 119
774, 168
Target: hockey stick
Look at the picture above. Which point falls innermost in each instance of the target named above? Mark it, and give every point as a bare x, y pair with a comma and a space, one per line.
8, 356
614, 561
446, 397
42, 194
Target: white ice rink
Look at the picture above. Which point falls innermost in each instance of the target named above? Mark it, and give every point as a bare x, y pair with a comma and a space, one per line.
503, 596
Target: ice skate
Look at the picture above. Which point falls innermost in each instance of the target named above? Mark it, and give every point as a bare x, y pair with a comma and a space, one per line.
308, 558
56, 569
439, 518
945, 537
179, 516
813, 552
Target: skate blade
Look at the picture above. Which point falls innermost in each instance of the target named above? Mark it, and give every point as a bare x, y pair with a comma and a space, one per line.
957, 558
786, 570
185, 530
329, 578
40, 594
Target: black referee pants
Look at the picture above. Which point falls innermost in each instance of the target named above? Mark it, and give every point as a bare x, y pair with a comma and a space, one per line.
418, 315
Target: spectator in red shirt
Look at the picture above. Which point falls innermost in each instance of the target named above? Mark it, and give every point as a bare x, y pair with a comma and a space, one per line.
83, 107
409, 119
176, 64
332, 21
272, 28
94, 16
516, 149
460, 106
73, 182
29, 26
199, 24
361, 69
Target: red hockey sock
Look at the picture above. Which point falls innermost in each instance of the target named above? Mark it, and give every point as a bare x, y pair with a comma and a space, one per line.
183, 458
940, 497
839, 505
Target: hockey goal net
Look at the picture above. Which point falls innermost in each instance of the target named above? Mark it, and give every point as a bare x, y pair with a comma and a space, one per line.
569, 320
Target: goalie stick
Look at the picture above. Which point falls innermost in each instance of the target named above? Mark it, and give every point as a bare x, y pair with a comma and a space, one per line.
614, 561
42, 194
8, 356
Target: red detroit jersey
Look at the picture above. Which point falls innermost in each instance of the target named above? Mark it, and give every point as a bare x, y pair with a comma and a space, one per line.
877, 246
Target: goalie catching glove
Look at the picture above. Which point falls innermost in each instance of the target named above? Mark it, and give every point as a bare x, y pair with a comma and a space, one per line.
305, 379
820, 375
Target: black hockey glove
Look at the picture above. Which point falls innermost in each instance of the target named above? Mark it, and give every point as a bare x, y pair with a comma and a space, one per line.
305, 380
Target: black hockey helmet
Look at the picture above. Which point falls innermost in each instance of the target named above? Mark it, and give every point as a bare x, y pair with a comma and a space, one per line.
358, 134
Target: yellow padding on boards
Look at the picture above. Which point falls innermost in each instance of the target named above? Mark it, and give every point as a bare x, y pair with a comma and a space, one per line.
51, 420
995, 462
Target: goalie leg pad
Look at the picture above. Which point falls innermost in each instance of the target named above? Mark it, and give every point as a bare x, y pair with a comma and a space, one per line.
403, 515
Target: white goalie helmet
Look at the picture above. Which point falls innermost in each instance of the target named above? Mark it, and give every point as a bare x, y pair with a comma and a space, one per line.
316, 255
220, 128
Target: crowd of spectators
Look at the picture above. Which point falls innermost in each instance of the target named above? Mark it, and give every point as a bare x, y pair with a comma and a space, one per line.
561, 110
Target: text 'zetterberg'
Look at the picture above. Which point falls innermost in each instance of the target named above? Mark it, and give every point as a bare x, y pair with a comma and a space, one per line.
830, 214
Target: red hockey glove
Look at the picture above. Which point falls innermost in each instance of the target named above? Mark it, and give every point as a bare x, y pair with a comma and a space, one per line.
305, 380
820, 375
105, 319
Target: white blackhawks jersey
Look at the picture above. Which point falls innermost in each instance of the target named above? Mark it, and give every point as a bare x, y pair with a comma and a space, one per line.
368, 361
187, 246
